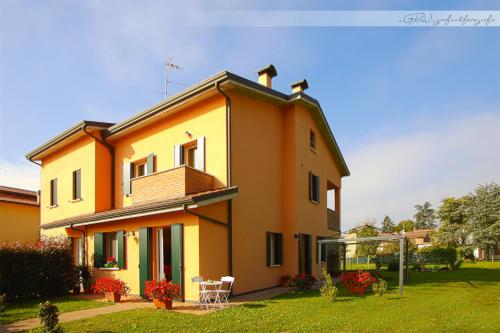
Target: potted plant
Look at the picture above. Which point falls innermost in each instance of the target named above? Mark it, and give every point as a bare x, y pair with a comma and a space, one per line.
303, 281
111, 263
162, 293
285, 280
357, 282
112, 288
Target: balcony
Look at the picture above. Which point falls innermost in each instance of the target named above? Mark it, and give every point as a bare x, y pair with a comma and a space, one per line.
170, 184
333, 220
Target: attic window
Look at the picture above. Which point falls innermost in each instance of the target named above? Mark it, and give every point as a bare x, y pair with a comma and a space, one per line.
312, 140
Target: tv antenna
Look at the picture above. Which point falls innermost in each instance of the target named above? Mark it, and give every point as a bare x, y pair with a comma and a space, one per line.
170, 65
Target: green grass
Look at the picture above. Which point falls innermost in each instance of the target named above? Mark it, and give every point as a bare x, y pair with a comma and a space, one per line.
467, 300
29, 308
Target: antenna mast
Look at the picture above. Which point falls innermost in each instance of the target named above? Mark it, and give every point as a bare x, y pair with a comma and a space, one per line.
169, 65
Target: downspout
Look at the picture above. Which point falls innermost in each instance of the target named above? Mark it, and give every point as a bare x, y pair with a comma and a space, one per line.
111, 150
229, 179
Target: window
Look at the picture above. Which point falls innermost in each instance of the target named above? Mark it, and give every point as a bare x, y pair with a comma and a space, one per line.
111, 249
312, 140
78, 250
313, 188
53, 192
274, 249
140, 169
77, 188
191, 157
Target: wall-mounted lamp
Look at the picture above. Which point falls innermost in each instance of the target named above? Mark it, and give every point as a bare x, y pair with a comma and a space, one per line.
188, 134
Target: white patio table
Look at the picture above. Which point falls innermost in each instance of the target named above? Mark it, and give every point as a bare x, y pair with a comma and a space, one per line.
208, 293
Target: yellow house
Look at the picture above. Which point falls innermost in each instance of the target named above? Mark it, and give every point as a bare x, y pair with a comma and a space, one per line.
19, 215
229, 177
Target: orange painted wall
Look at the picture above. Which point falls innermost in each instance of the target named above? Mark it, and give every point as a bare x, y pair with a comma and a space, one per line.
19, 222
206, 119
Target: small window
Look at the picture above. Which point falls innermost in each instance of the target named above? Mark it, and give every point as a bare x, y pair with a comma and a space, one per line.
313, 187
312, 140
140, 169
77, 188
189, 154
274, 249
53, 192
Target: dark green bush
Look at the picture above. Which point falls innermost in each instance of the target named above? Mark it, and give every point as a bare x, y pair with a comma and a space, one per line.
438, 255
3, 302
393, 265
49, 317
42, 269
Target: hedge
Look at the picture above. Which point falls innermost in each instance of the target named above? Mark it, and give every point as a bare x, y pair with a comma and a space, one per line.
41, 269
437, 255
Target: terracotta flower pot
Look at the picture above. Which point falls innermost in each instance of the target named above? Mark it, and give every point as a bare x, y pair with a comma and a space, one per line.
358, 290
162, 305
113, 297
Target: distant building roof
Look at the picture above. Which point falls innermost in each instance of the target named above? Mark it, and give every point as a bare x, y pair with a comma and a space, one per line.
17, 195
420, 233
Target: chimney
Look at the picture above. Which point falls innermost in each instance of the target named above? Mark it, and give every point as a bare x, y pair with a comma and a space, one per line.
299, 86
266, 75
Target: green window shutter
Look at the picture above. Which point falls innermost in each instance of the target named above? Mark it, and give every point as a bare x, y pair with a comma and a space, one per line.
150, 164
77, 191
316, 179
145, 244
308, 254
318, 238
120, 237
269, 236
279, 249
127, 176
301, 268
98, 249
176, 241
310, 186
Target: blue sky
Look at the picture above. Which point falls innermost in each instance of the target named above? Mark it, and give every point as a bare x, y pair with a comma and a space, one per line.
416, 111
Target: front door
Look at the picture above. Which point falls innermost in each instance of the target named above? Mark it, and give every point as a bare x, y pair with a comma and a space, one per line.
305, 253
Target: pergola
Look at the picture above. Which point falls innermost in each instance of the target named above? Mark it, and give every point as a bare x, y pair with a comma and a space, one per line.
403, 251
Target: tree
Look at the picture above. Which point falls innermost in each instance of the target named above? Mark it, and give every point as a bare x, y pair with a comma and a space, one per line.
425, 217
367, 249
483, 217
406, 225
453, 230
387, 225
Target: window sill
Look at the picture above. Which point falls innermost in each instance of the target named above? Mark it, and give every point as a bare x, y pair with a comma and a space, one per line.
313, 150
109, 269
53, 206
314, 202
75, 200
274, 266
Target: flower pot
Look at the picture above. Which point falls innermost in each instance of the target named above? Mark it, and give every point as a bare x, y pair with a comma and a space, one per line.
113, 297
163, 305
358, 290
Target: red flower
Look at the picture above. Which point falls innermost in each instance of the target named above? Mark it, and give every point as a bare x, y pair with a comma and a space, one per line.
357, 279
163, 290
110, 285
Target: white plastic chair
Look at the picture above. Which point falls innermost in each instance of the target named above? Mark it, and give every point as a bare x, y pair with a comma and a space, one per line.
224, 291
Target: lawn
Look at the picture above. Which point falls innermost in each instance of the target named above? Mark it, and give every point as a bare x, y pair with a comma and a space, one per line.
467, 300
29, 309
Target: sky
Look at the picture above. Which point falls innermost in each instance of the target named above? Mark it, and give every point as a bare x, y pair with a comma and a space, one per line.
416, 111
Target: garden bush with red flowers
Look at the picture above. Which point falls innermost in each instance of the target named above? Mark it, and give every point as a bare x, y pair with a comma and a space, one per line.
110, 285
303, 281
357, 282
164, 291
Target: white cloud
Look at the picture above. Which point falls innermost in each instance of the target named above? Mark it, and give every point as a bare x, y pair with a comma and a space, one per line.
23, 175
391, 175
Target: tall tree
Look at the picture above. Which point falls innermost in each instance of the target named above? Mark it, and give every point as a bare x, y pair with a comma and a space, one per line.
484, 217
453, 229
407, 225
367, 249
425, 217
387, 225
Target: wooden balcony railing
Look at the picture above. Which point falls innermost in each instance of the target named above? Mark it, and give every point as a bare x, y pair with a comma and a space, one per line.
170, 184
333, 220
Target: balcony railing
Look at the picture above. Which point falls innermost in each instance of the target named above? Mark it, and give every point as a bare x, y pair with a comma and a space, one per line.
333, 220
170, 184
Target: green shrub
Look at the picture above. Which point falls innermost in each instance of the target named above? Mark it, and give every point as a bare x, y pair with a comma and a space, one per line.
417, 267
456, 265
438, 255
393, 266
303, 281
49, 317
41, 269
380, 287
328, 290
3, 302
